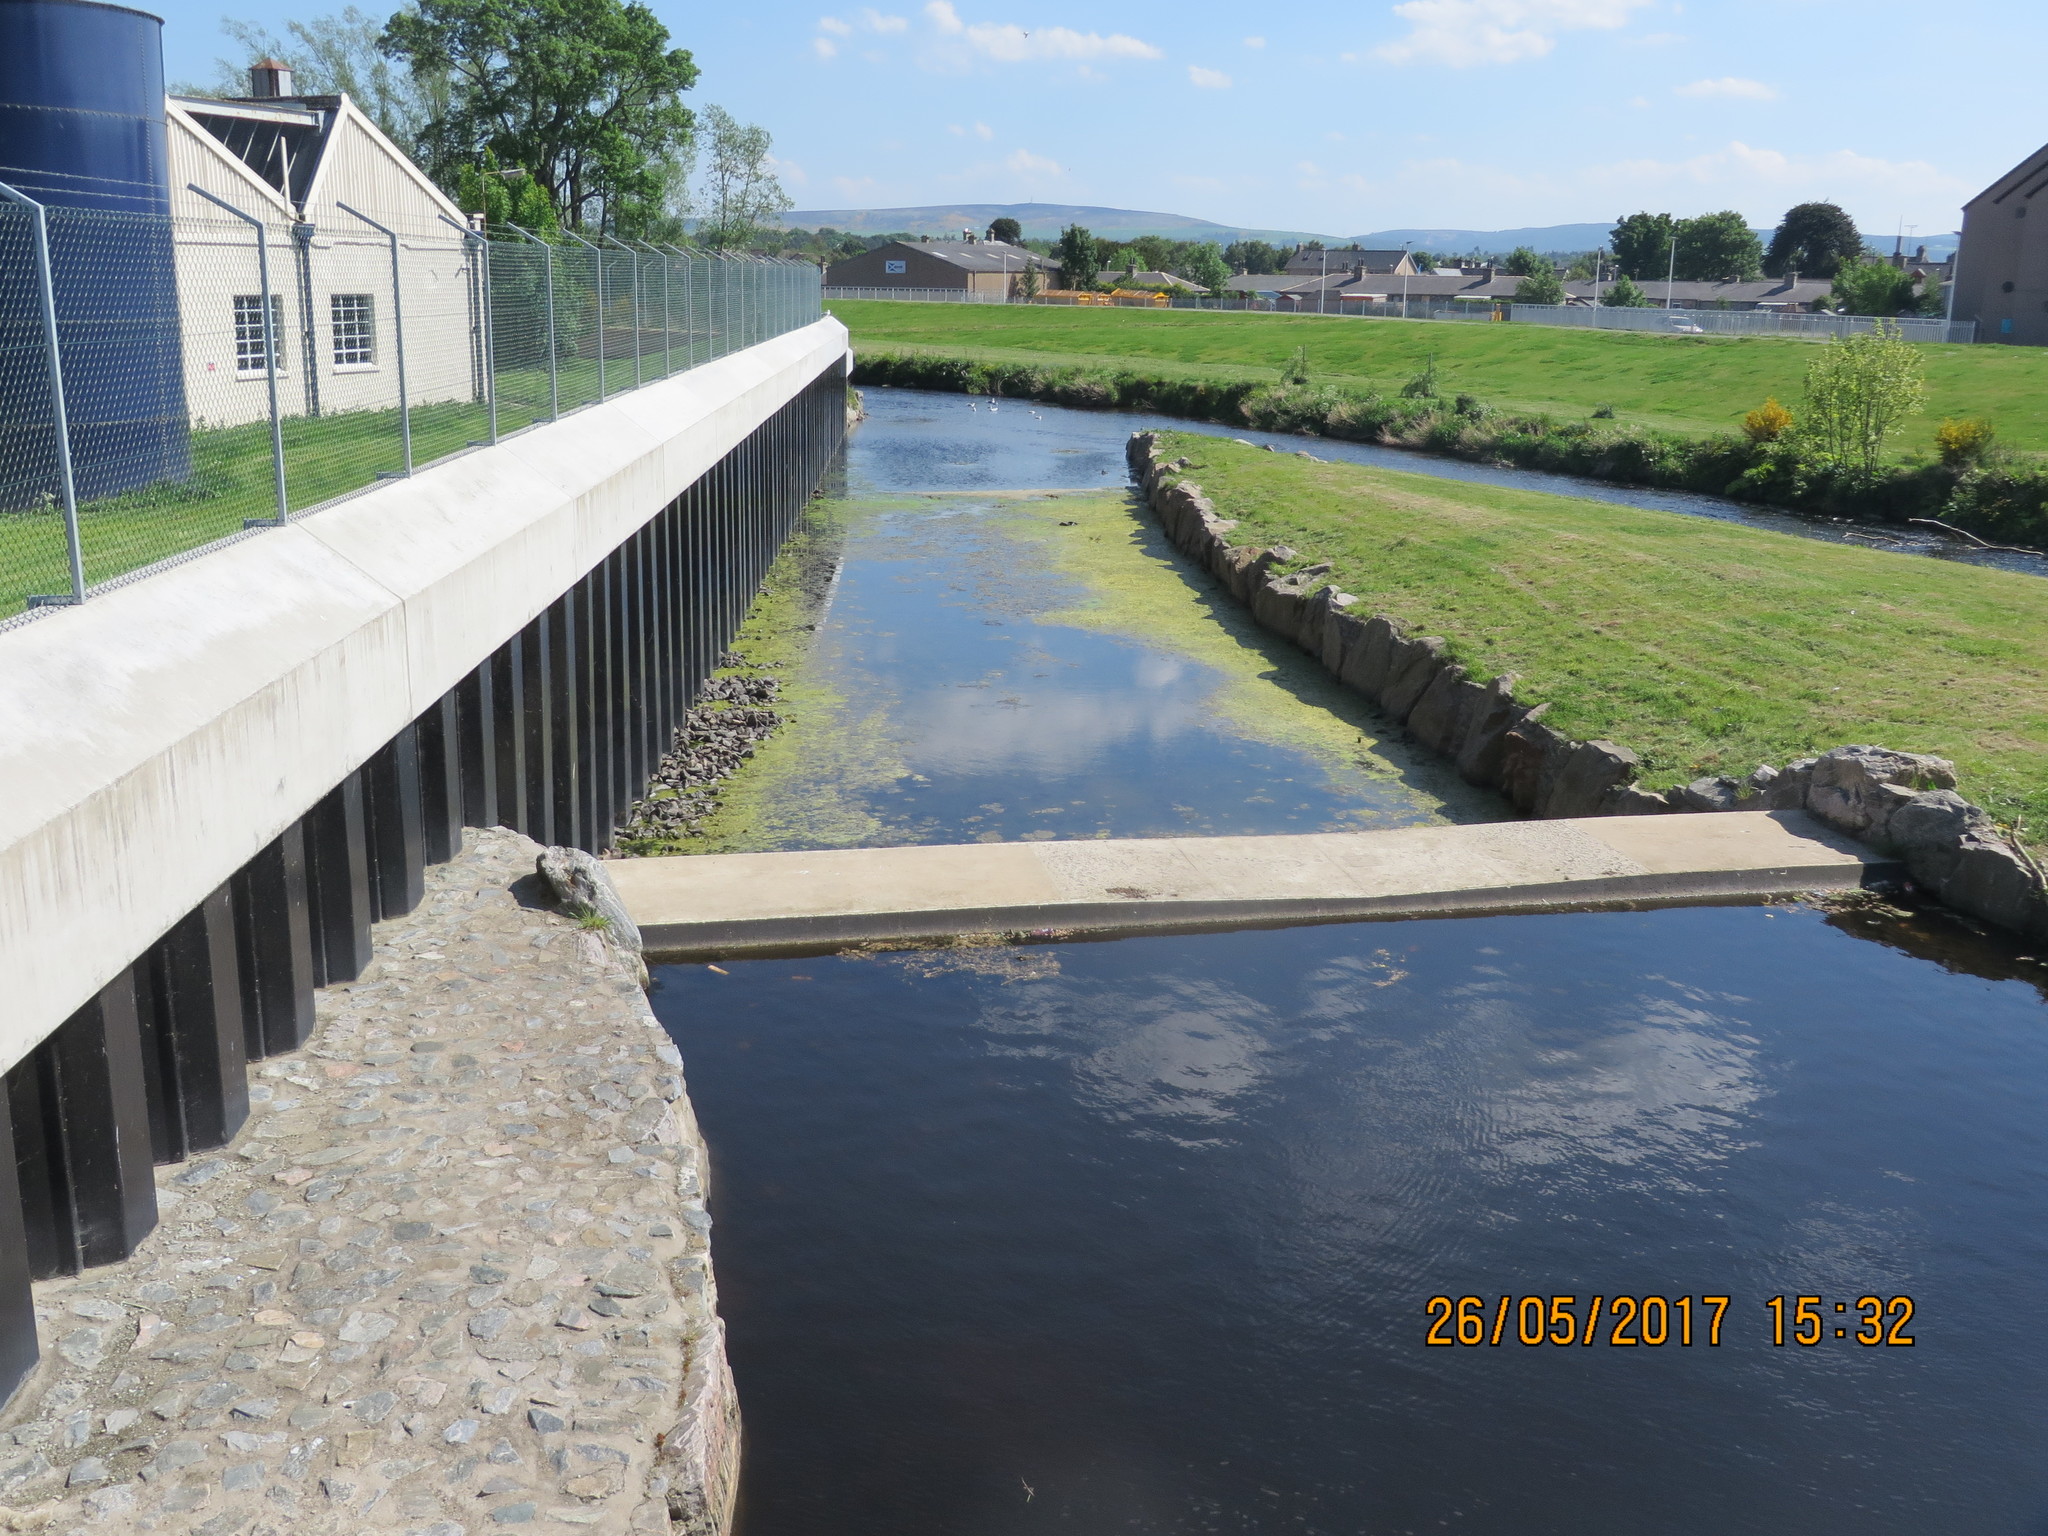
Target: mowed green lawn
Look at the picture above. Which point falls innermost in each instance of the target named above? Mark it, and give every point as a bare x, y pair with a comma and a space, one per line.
1705, 647
1691, 384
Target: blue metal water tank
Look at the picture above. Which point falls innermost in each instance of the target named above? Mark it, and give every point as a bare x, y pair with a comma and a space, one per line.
82, 131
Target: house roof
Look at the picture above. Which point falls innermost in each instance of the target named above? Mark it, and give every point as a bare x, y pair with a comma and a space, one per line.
2023, 180
1143, 279
1348, 257
1769, 290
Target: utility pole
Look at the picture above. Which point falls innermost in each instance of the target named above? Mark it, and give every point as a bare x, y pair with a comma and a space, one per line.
1671, 273
1405, 244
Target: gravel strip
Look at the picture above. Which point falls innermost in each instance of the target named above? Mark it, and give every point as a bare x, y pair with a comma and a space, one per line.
453, 1277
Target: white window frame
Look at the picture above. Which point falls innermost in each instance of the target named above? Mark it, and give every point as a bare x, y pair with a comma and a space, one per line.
248, 328
353, 344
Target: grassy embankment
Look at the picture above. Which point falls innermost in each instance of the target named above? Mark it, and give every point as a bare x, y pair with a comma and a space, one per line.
1705, 647
1685, 384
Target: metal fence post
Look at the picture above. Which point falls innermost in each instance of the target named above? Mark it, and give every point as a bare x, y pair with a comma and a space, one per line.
633, 260
554, 378
269, 354
397, 329
60, 421
597, 257
482, 248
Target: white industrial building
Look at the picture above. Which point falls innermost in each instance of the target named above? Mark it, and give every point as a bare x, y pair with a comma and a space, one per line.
293, 162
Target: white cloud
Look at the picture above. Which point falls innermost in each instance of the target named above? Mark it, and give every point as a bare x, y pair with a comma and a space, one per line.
1008, 43
875, 21
1731, 87
1460, 33
789, 171
1255, 42
1025, 163
835, 26
824, 47
1208, 79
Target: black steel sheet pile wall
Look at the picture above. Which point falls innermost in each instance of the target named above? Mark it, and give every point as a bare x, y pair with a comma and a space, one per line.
554, 734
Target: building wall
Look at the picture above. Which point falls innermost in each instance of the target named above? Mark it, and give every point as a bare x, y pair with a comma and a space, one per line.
920, 270
2002, 266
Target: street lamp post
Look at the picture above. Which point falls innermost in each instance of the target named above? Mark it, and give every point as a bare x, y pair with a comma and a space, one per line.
1671, 273
1405, 244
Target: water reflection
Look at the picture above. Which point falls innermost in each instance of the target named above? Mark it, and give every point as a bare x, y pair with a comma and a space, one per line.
1137, 1235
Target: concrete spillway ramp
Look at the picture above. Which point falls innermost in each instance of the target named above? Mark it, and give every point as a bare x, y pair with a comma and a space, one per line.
729, 902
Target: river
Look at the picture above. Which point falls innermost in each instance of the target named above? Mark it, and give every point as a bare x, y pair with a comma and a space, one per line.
1142, 1235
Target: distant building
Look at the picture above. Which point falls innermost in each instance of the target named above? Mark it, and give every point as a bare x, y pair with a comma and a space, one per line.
2001, 266
1111, 277
1352, 259
978, 266
292, 161
1344, 293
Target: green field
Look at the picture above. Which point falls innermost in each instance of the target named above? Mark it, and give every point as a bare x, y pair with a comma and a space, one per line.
1691, 384
1705, 647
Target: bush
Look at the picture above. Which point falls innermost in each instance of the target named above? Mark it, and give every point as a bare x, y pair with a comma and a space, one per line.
1295, 370
1768, 422
1964, 440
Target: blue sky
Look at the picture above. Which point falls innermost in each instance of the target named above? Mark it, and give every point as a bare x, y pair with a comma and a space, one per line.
1479, 114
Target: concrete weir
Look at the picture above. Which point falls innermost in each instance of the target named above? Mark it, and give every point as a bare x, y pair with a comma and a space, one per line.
725, 903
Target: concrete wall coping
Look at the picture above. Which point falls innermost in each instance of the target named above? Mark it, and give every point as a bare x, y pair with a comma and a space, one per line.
154, 739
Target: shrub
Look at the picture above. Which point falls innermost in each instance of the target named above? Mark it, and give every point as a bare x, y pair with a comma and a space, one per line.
1423, 385
1964, 440
1603, 412
1295, 369
1768, 422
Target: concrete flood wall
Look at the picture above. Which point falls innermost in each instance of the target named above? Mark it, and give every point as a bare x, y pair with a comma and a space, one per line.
213, 781
1901, 803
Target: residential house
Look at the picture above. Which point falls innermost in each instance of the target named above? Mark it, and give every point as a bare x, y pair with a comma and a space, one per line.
975, 265
293, 162
1112, 277
2001, 266
1347, 294
1351, 258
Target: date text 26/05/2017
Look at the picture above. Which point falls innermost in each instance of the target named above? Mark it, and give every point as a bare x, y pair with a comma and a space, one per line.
1635, 1321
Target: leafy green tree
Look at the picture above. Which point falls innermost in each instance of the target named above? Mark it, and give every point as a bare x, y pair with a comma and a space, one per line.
739, 194
586, 95
1584, 266
1204, 264
1718, 247
1858, 390
1422, 260
1005, 229
1524, 262
1624, 294
504, 197
1079, 255
1254, 256
1540, 288
1642, 244
1874, 288
1814, 240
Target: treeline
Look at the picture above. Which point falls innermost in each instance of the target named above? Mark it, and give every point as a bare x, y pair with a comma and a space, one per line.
549, 114
1827, 464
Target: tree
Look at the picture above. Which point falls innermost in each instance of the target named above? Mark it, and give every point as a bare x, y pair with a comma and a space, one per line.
1523, 262
1540, 288
1005, 229
1874, 288
1814, 240
1625, 294
1253, 256
1586, 265
1718, 247
1642, 244
740, 192
585, 95
337, 56
1858, 390
1422, 260
1204, 264
504, 197
1079, 255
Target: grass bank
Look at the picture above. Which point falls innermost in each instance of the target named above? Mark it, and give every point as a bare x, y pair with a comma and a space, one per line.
1705, 647
1683, 384
2001, 497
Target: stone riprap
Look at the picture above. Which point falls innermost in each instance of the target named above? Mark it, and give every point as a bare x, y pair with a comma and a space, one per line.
452, 1277
1901, 803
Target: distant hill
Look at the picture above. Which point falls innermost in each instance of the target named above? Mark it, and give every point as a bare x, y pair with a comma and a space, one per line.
1041, 221
1044, 221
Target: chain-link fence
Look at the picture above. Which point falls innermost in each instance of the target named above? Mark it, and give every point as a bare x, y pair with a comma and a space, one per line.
166, 383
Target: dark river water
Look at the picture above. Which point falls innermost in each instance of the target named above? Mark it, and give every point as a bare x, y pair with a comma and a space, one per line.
1142, 1235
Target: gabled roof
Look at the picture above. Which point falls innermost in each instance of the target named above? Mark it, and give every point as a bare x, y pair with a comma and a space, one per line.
972, 255
2022, 181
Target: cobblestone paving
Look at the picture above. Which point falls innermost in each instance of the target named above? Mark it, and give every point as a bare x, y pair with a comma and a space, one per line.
453, 1276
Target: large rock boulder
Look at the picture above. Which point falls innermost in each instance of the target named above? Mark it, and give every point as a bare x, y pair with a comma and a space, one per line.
1578, 784
1411, 671
1482, 748
1525, 751
1366, 664
1434, 720
1852, 789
